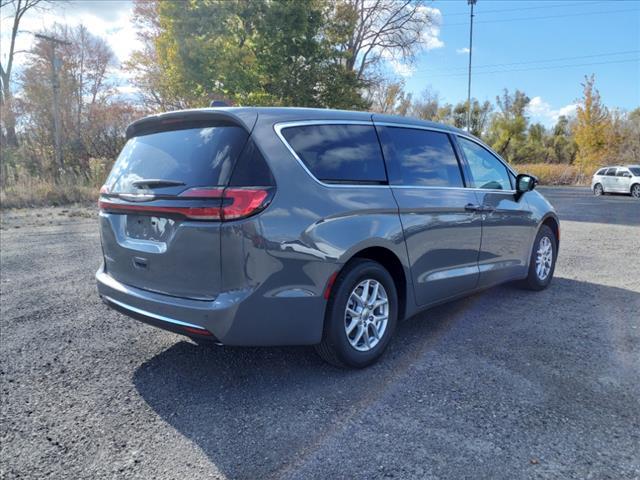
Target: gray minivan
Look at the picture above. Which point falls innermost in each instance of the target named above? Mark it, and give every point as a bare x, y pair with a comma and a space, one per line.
293, 226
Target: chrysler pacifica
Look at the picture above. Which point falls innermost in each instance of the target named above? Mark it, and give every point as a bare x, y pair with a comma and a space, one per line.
286, 226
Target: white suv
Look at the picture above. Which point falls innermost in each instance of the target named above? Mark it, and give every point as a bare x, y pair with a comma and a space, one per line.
617, 180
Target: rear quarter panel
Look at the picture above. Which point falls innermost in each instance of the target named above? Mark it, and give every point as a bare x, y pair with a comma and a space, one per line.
288, 253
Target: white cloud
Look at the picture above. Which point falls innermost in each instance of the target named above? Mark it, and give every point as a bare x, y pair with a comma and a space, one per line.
110, 20
431, 36
429, 40
462, 51
541, 111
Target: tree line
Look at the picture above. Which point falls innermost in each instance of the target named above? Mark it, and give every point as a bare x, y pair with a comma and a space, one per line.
317, 53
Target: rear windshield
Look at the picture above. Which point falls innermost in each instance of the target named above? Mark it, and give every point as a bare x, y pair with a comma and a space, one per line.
339, 153
195, 157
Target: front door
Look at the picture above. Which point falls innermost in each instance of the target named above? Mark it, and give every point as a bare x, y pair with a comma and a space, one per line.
442, 233
623, 180
507, 221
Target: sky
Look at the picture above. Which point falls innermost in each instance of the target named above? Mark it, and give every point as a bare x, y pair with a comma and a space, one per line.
544, 48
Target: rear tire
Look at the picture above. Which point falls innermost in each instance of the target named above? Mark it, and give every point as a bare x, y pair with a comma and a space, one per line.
361, 315
598, 190
542, 263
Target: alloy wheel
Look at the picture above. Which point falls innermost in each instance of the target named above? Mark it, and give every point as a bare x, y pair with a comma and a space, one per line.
544, 258
366, 315
635, 191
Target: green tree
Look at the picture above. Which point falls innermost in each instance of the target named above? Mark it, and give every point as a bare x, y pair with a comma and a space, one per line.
562, 143
259, 52
508, 129
592, 128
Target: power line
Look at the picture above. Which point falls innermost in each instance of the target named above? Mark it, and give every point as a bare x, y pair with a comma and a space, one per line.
563, 5
558, 59
575, 14
552, 67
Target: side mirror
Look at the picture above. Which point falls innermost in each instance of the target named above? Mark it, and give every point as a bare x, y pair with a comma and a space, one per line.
525, 183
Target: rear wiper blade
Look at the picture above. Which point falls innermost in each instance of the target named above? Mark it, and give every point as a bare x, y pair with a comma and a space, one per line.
157, 183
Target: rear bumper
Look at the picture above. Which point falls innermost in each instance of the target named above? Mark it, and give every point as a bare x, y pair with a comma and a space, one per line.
243, 317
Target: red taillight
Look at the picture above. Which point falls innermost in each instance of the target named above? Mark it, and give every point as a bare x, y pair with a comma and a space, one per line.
244, 202
235, 203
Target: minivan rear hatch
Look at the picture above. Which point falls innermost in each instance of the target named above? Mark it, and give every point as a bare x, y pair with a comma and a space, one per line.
166, 199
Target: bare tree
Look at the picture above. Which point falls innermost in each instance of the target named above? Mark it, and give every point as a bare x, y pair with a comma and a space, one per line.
384, 29
85, 92
427, 107
389, 97
8, 130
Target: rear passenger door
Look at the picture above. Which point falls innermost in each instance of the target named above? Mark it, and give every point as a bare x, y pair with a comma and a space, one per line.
507, 221
442, 234
609, 180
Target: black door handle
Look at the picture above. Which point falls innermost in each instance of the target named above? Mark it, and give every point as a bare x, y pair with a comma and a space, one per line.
470, 207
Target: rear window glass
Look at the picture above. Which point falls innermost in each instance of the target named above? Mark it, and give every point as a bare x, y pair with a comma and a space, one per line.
611, 172
339, 153
420, 157
195, 157
601, 171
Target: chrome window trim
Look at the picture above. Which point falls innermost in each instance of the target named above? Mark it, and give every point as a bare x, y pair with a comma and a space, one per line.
475, 189
278, 127
151, 315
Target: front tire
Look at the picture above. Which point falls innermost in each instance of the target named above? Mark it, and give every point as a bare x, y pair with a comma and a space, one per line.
635, 191
542, 263
361, 315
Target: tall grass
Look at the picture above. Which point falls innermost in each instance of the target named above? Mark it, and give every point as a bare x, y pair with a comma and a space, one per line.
34, 192
554, 174
21, 189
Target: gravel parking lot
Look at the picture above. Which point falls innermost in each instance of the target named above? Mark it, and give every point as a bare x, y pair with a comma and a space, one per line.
506, 384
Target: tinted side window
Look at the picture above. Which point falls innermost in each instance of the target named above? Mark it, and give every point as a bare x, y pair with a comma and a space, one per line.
420, 157
622, 173
486, 170
601, 171
611, 172
339, 153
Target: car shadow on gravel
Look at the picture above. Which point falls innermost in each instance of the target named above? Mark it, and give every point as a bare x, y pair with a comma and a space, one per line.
261, 412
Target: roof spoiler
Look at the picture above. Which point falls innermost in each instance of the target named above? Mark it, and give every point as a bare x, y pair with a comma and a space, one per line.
195, 118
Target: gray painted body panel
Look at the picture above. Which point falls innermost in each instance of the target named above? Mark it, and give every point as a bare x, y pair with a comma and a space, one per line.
442, 240
271, 270
503, 254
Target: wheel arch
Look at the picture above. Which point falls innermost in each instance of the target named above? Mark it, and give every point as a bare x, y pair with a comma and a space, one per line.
392, 263
553, 223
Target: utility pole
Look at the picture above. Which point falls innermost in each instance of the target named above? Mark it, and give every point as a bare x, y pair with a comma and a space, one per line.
55, 84
471, 3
